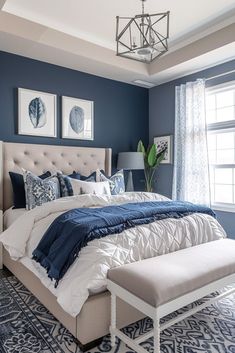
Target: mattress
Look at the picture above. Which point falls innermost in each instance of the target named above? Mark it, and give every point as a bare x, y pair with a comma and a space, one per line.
11, 215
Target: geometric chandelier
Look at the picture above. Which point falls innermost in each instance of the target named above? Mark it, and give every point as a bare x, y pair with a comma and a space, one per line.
143, 37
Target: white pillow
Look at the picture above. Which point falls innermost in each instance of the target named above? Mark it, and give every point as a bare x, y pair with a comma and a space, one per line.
88, 187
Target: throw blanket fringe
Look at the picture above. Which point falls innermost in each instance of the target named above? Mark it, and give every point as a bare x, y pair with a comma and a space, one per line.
72, 230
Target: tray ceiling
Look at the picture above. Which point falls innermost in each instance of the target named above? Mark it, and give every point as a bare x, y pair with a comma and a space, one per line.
89, 25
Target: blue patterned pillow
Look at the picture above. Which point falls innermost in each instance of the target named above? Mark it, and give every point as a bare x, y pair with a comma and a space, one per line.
38, 191
17, 182
65, 185
116, 181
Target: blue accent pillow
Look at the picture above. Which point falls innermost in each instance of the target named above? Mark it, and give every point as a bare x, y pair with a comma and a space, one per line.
116, 181
75, 175
17, 182
66, 188
78, 176
91, 177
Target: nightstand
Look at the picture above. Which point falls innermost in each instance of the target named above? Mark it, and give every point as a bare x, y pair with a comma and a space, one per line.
1, 228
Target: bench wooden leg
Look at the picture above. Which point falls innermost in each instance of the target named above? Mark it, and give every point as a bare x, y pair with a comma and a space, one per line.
156, 335
113, 318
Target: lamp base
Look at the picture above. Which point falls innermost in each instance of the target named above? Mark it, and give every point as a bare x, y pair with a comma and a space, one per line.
129, 185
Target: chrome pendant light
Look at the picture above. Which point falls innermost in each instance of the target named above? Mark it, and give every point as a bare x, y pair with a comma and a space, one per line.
143, 37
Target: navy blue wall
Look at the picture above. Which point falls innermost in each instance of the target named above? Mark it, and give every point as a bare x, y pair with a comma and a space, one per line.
161, 122
121, 110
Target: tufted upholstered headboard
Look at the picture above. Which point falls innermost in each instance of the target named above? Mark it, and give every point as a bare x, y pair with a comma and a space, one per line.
40, 158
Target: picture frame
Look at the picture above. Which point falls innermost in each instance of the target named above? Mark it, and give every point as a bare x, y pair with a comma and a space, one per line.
37, 113
77, 118
161, 142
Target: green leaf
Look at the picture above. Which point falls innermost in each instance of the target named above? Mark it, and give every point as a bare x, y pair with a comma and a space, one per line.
152, 155
140, 147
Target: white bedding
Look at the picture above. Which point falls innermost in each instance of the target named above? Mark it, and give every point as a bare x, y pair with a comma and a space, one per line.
88, 273
11, 216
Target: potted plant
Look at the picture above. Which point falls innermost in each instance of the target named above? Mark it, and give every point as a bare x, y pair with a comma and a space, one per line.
152, 159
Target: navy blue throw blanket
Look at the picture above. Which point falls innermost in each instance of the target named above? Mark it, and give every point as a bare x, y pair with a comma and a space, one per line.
72, 230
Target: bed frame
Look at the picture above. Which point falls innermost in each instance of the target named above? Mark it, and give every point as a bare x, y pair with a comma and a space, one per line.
93, 321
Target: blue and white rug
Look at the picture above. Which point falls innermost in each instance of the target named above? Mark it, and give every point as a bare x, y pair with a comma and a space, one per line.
27, 327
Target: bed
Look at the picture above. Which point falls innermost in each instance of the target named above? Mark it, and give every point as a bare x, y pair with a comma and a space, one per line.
39, 158
93, 320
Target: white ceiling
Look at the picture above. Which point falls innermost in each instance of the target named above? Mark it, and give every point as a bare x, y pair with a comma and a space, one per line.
93, 22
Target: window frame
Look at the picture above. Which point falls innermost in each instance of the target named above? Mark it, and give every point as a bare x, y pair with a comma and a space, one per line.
220, 127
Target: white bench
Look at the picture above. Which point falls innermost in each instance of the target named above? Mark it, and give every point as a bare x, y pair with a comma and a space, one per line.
164, 284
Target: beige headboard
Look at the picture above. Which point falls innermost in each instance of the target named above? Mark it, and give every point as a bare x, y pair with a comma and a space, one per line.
40, 158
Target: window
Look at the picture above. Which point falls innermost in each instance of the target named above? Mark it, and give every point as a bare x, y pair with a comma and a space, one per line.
220, 116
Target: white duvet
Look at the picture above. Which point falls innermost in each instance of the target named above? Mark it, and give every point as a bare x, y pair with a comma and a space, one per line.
89, 272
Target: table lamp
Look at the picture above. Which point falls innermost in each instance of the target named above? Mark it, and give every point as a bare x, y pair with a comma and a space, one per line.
130, 161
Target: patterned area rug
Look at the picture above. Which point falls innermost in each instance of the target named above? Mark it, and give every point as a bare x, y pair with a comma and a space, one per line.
27, 327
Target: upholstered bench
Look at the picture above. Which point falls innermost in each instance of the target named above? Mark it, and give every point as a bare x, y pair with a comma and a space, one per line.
161, 285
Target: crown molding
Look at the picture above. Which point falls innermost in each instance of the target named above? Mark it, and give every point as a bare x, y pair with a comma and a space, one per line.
195, 49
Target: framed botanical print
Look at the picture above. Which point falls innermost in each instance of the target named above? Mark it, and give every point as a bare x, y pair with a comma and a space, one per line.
36, 113
162, 142
77, 118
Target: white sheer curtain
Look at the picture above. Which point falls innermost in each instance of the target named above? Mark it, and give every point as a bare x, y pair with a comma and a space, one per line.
191, 168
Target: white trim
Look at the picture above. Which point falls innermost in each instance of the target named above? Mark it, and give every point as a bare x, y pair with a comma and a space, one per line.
220, 75
223, 207
158, 312
220, 87
223, 166
221, 127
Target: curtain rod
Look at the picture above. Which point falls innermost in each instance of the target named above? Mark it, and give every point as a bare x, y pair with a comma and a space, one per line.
224, 74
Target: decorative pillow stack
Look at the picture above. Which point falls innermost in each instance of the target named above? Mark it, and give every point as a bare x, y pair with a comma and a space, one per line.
73, 185
77, 184
30, 190
116, 181
38, 191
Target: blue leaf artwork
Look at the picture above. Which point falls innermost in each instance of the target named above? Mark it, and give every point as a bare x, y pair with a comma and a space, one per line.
37, 112
76, 119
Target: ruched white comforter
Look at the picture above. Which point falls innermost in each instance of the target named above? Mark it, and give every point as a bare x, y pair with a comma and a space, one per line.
89, 272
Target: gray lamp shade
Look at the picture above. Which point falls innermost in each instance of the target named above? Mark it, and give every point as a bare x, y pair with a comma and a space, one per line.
130, 160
